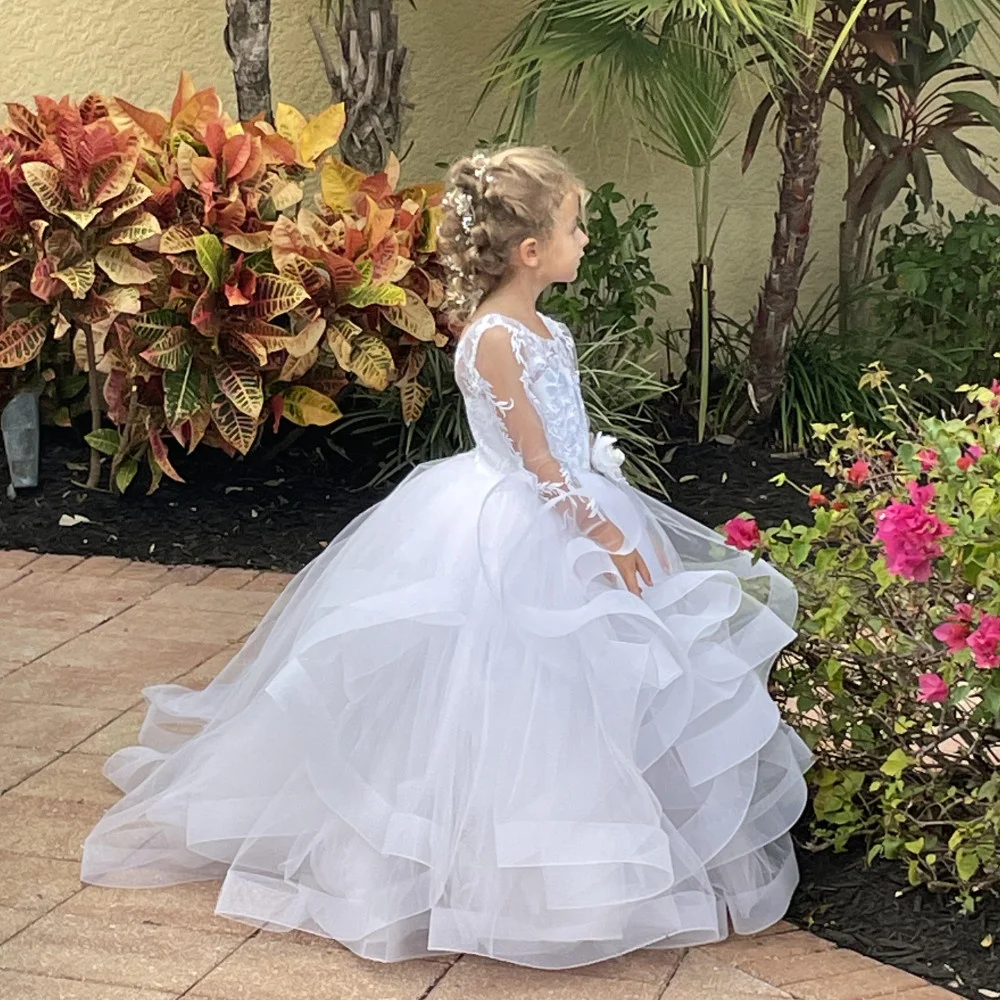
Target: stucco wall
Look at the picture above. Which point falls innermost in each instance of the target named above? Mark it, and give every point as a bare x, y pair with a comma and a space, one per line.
136, 48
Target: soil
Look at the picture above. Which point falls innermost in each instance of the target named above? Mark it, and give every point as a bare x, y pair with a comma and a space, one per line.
279, 514
877, 912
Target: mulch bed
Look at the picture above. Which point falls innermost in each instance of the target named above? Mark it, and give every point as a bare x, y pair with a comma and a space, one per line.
280, 515
877, 912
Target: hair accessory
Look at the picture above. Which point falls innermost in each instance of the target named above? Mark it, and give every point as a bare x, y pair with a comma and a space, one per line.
461, 202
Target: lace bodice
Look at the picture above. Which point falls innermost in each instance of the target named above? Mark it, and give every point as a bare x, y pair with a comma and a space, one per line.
551, 381
525, 408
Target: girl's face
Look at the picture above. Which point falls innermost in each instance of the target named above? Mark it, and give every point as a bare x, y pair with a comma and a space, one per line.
559, 256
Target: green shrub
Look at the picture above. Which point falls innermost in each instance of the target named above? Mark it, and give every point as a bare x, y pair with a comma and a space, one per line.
939, 301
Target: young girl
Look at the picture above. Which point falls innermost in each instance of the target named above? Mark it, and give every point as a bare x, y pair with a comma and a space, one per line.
517, 709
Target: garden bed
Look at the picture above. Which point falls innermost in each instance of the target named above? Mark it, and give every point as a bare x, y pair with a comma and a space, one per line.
278, 516
876, 912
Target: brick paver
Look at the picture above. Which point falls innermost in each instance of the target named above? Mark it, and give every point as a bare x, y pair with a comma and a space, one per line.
70, 695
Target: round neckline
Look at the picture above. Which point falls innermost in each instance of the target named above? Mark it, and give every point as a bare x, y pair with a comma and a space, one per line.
551, 338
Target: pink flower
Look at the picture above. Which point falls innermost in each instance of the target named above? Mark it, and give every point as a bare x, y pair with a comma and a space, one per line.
933, 688
921, 496
953, 634
742, 533
963, 613
984, 642
858, 473
928, 459
965, 462
911, 535
818, 499
975, 452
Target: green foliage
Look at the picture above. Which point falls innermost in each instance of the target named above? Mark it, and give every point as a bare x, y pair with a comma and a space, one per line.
940, 277
904, 554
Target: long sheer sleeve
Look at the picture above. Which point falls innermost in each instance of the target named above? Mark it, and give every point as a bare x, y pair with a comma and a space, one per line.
499, 363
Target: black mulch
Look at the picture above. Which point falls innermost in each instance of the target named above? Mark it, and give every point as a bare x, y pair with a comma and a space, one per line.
278, 515
876, 912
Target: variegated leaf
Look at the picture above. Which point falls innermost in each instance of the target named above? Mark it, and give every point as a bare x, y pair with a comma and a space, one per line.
159, 449
132, 197
178, 239
249, 242
185, 157
156, 322
236, 427
241, 384
294, 368
366, 295
181, 394
276, 296
414, 317
307, 407
122, 267
44, 180
79, 279
123, 299
321, 132
171, 350
83, 217
111, 177
338, 182
372, 363
142, 228
401, 269
21, 341
413, 397
307, 338
284, 194
250, 346
340, 337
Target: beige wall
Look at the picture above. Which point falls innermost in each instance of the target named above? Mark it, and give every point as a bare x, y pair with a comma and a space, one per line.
136, 48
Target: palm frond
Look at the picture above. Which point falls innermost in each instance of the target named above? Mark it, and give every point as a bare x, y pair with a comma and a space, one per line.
687, 104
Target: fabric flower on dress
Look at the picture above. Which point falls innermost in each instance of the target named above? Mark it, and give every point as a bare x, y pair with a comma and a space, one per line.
606, 459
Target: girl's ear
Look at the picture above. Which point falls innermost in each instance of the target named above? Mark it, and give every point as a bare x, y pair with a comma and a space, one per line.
527, 252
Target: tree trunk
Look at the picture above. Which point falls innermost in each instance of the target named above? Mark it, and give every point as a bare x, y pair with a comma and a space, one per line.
365, 70
698, 277
802, 111
247, 37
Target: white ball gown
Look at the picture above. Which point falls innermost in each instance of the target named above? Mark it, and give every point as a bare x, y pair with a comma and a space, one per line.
456, 730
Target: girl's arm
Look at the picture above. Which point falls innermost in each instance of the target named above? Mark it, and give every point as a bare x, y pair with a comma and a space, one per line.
497, 362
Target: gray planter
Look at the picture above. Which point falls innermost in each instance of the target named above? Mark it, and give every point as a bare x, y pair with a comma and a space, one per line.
21, 441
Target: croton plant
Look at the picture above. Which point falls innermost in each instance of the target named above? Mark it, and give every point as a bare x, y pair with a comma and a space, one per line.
172, 261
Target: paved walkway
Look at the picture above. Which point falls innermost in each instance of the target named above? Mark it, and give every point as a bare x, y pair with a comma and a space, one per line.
70, 682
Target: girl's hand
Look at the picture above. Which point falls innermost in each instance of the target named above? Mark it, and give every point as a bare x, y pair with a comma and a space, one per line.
632, 567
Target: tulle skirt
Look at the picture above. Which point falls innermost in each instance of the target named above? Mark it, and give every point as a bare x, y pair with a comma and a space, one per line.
456, 731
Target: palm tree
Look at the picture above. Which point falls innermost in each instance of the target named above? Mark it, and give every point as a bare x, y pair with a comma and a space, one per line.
609, 51
689, 106
365, 70
247, 37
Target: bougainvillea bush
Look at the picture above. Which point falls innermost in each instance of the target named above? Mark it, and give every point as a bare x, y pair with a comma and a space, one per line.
173, 261
895, 679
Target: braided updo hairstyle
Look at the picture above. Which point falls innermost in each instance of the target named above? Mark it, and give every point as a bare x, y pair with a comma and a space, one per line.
492, 203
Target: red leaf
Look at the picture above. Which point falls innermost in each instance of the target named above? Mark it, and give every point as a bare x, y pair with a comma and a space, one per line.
159, 448
278, 409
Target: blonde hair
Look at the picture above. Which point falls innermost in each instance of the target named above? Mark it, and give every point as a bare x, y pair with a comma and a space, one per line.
493, 202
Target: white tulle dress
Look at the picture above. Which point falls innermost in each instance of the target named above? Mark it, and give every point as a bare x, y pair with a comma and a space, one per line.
456, 730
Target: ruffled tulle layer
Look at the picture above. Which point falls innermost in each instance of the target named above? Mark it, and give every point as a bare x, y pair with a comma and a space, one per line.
449, 735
